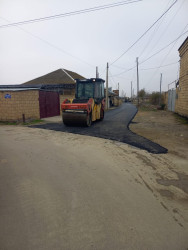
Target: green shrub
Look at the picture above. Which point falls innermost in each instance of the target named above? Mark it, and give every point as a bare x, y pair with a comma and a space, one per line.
154, 98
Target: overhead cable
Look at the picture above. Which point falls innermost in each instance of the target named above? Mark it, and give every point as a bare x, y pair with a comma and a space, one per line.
173, 44
125, 71
77, 12
161, 66
110, 76
163, 48
153, 33
52, 45
144, 32
162, 34
156, 53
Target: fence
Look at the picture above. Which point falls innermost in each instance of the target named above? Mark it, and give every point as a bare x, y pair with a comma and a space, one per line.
171, 99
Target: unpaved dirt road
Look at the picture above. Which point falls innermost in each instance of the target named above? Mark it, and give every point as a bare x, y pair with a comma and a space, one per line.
67, 191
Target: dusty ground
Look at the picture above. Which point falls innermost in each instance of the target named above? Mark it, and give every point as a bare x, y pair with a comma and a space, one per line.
164, 128
66, 191
168, 130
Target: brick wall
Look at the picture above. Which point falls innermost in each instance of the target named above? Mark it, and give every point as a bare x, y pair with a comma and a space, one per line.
181, 106
117, 101
69, 91
21, 102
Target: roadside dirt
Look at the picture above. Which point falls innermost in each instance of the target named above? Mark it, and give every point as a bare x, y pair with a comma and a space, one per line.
164, 128
171, 171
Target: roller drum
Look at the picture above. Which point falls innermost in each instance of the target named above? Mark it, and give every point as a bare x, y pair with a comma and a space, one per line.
75, 119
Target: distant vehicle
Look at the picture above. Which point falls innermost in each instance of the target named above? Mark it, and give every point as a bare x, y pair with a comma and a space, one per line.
127, 99
89, 104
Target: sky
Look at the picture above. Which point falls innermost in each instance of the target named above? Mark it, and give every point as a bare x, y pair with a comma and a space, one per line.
81, 42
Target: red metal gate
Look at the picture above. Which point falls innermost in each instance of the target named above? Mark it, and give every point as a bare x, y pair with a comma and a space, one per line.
49, 104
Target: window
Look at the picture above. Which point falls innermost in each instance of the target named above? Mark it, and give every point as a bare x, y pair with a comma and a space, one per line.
85, 90
99, 90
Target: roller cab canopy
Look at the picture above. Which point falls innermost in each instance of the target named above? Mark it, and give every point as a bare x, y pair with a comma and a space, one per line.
90, 88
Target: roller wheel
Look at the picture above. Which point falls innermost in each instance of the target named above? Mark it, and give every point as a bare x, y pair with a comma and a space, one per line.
88, 121
101, 115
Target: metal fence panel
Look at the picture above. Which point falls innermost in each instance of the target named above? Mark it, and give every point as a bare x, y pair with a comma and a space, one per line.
171, 99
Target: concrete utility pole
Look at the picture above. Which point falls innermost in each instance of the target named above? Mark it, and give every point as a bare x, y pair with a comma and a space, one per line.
107, 86
131, 90
118, 93
137, 82
160, 89
97, 72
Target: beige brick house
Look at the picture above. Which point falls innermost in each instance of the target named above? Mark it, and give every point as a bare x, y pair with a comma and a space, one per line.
181, 105
61, 80
21, 104
38, 98
18, 103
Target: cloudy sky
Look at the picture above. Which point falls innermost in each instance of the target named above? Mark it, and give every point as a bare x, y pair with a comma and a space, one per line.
81, 42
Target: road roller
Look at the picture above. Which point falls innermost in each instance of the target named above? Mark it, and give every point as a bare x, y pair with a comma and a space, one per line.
88, 105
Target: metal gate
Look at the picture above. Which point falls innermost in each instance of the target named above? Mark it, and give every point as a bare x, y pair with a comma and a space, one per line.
171, 99
49, 104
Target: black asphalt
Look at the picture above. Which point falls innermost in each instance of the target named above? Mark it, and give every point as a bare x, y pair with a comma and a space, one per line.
115, 126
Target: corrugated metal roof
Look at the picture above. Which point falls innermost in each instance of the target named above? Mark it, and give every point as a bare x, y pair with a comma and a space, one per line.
17, 89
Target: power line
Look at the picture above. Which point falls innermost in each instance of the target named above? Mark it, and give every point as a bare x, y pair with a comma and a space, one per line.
127, 70
161, 66
144, 69
163, 48
174, 42
172, 19
77, 12
151, 37
156, 53
144, 33
153, 33
178, 79
112, 78
182, 33
52, 45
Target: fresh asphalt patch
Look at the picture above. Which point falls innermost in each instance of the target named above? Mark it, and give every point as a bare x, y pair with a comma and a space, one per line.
115, 126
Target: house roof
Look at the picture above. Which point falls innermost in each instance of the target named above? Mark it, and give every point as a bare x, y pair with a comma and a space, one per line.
60, 76
16, 89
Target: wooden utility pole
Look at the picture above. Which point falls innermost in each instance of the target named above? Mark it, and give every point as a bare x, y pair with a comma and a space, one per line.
137, 82
107, 86
131, 90
160, 90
